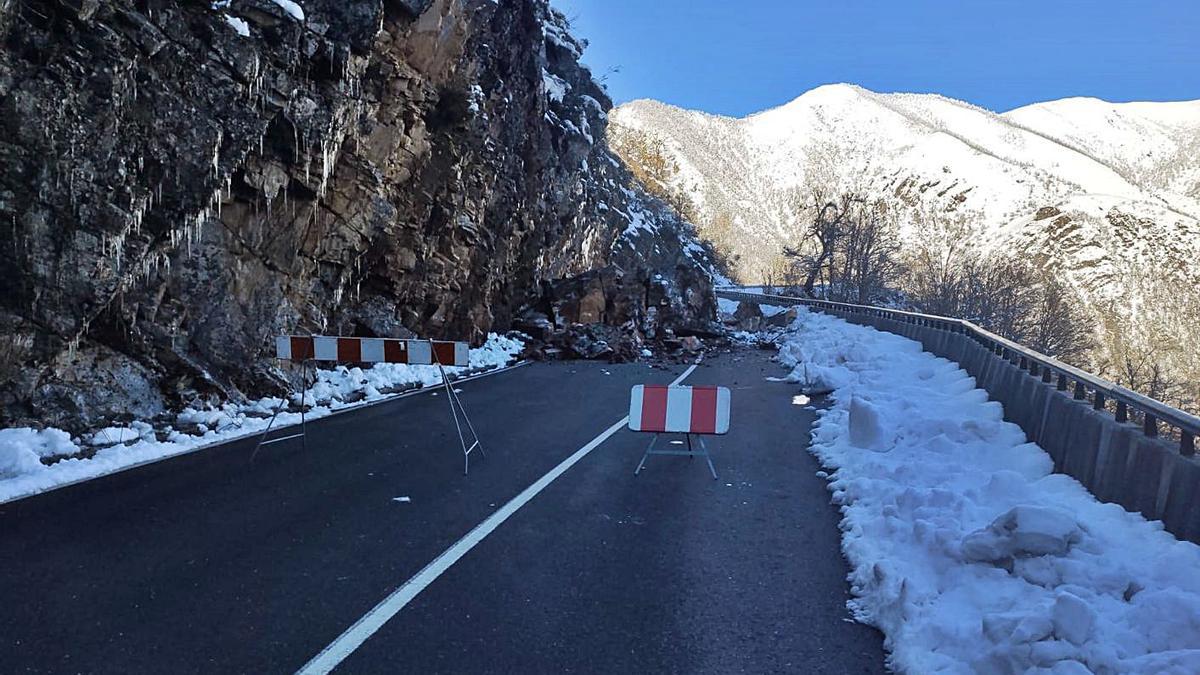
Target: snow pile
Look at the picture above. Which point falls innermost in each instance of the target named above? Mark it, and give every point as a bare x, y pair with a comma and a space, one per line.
965, 550
21, 450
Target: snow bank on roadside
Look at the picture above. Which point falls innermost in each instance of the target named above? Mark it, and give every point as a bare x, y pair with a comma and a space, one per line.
728, 307
22, 472
964, 548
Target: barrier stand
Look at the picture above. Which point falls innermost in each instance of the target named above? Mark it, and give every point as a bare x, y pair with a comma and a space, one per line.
304, 367
310, 348
688, 410
452, 396
679, 453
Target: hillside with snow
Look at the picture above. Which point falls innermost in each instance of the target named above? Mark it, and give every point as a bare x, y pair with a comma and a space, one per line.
1105, 195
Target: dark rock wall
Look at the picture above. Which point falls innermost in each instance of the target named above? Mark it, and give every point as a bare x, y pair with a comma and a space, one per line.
173, 193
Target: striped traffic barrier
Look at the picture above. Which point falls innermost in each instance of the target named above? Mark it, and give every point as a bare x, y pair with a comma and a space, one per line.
371, 350
307, 349
679, 409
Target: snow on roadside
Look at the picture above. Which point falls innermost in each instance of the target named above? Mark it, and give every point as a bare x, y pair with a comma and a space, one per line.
22, 473
964, 548
728, 307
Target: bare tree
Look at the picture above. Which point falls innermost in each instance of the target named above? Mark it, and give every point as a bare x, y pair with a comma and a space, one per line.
826, 216
1058, 325
1005, 294
867, 253
936, 257
1153, 355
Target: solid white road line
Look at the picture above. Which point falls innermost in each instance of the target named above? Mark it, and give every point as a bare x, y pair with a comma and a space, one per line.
372, 621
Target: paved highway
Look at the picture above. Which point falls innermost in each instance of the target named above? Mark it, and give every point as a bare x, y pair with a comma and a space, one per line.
211, 563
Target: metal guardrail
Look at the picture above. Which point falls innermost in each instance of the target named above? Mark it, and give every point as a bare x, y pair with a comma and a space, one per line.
1048, 368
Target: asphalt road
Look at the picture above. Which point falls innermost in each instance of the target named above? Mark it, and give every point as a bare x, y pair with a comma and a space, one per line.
211, 563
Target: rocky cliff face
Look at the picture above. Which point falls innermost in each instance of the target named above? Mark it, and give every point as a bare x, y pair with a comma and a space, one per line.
180, 181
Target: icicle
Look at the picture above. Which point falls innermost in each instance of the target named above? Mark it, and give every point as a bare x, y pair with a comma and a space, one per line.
216, 160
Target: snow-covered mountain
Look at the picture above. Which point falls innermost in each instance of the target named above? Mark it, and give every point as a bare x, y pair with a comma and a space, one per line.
1105, 194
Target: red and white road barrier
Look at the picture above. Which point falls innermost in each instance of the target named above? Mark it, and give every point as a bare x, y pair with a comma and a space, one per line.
371, 350
309, 348
679, 409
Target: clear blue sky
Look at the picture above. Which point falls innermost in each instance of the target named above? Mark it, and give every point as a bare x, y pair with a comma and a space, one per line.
735, 57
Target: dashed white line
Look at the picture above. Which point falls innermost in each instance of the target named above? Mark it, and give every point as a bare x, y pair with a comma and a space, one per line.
372, 621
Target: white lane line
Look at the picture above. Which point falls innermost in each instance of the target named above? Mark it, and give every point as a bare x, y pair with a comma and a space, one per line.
372, 621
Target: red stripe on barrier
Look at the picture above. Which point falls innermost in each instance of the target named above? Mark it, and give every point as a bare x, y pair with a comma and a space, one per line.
704, 410
394, 351
302, 348
654, 408
443, 353
349, 349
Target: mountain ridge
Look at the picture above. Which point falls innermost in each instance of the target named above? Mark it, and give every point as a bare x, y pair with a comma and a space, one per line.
1122, 180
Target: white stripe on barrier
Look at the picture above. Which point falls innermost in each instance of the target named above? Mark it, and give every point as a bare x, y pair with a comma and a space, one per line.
372, 350
325, 348
461, 353
283, 347
635, 408
722, 425
679, 408
420, 352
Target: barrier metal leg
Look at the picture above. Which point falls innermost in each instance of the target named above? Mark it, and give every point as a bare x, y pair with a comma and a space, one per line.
456, 407
262, 440
303, 397
707, 457
690, 453
649, 451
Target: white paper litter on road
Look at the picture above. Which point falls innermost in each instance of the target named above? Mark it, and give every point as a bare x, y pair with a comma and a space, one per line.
964, 548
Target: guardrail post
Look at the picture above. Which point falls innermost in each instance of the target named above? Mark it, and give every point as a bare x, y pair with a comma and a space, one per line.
1122, 412
1187, 444
1098, 404
1062, 382
1150, 426
1080, 392
1047, 375
1024, 363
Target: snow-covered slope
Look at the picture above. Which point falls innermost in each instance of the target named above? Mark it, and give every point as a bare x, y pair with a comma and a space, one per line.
1107, 195
1000, 168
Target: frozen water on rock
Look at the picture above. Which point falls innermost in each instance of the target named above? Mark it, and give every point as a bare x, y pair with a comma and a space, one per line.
964, 548
291, 8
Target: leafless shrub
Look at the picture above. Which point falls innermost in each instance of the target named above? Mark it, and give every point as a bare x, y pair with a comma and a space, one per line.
848, 244
1007, 295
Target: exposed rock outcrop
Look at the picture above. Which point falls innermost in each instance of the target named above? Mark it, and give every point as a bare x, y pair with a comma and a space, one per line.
179, 182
